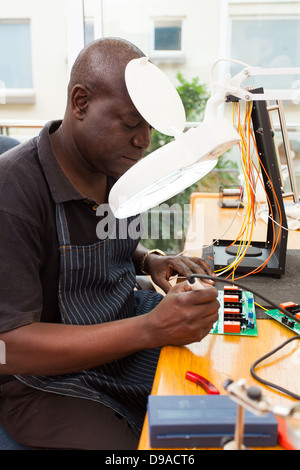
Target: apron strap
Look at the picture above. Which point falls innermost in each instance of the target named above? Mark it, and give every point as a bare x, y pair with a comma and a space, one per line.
62, 226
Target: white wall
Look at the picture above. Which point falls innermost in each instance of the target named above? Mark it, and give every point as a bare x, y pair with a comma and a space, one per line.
133, 21
57, 35
52, 42
49, 51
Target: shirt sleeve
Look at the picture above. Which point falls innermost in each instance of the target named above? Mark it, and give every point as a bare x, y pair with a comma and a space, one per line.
21, 291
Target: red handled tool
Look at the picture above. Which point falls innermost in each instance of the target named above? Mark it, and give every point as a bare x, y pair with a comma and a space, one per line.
204, 383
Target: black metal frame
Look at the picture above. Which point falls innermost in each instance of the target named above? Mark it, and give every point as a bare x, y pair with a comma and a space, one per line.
260, 251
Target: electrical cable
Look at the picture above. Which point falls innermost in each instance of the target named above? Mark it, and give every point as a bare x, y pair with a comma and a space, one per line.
246, 231
242, 286
248, 167
260, 306
228, 228
223, 234
278, 307
261, 207
266, 382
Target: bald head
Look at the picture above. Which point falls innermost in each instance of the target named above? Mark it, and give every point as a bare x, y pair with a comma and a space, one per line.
100, 66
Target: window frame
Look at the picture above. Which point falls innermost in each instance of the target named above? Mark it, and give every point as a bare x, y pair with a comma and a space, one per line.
249, 18
20, 95
175, 56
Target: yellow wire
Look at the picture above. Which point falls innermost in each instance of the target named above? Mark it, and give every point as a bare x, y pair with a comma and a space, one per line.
246, 231
260, 306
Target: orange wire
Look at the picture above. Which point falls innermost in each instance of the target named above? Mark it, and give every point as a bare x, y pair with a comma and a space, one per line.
245, 144
248, 166
275, 242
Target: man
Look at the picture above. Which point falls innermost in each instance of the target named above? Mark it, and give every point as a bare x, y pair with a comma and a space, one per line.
81, 345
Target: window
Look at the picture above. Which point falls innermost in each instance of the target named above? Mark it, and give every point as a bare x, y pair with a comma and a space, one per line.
167, 36
89, 30
271, 41
16, 60
15, 56
88, 20
267, 42
168, 39
92, 19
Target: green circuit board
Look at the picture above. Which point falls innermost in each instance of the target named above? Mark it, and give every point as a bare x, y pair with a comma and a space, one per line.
284, 320
240, 311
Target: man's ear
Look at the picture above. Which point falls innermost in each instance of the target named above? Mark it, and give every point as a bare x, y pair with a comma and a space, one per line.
79, 101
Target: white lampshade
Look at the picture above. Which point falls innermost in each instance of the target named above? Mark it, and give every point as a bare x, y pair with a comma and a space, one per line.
177, 165
155, 97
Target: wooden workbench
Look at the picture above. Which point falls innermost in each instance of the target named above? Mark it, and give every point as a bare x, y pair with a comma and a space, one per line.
221, 357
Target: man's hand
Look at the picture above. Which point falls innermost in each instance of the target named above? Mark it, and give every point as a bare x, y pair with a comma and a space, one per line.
162, 268
183, 316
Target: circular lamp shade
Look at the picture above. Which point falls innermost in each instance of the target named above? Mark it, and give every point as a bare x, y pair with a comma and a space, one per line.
177, 165
155, 97
172, 168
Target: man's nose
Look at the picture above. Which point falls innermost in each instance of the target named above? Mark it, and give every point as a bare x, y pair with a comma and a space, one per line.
142, 137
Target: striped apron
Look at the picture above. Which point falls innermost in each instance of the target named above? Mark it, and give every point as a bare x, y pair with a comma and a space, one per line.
97, 286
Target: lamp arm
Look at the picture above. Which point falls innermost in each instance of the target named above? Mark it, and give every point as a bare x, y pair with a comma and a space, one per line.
232, 86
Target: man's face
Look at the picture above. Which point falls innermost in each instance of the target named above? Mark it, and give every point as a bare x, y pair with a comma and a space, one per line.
113, 135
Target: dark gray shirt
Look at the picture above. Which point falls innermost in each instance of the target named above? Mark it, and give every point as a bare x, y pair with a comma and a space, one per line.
31, 183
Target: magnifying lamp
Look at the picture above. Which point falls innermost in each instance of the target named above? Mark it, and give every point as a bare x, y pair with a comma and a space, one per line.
178, 164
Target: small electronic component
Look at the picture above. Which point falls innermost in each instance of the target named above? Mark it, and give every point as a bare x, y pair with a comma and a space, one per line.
232, 326
231, 298
233, 196
236, 312
293, 309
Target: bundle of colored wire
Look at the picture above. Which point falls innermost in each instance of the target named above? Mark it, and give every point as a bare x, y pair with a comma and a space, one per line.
251, 175
244, 237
